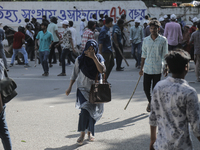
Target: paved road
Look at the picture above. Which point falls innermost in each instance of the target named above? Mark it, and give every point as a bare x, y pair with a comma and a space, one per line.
42, 117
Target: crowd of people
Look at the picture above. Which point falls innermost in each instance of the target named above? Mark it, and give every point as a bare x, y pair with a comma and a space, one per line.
158, 46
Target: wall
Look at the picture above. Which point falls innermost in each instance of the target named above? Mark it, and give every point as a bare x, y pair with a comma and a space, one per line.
14, 13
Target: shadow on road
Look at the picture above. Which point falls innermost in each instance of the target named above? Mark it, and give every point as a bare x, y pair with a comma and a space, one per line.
112, 125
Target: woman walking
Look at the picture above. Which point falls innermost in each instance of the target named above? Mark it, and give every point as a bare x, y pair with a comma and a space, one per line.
87, 66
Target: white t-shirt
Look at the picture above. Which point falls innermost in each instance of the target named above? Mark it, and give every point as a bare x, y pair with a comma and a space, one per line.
73, 31
82, 27
30, 34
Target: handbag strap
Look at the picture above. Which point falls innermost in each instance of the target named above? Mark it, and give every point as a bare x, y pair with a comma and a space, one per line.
104, 78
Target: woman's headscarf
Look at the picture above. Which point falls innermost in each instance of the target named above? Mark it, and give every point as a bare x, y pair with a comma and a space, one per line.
86, 64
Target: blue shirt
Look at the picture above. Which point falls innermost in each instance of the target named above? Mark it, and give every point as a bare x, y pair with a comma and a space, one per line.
154, 51
117, 30
104, 39
136, 34
45, 40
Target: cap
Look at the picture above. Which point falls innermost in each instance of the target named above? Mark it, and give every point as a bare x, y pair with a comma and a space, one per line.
146, 21
82, 17
165, 16
161, 19
66, 22
195, 19
137, 20
173, 17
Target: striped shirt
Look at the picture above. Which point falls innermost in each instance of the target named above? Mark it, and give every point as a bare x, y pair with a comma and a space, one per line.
87, 35
154, 51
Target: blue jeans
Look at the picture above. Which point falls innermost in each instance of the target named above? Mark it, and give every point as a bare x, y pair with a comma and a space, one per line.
139, 51
21, 50
4, 133
44, 55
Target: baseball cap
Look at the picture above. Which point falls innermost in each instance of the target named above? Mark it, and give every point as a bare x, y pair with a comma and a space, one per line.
165, 16
82, 17
66, 22
195, 19
137, 20
173, 17
161, 19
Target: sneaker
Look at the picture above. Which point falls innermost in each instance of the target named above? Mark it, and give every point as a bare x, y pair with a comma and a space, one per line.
11, 65
119, 69
62, 74
50, 65
67, 64
45, 74
27, 65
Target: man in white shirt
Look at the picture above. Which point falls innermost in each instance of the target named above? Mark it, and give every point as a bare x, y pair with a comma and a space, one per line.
53, 28
82, 26
30, 41
174, 106
73, 32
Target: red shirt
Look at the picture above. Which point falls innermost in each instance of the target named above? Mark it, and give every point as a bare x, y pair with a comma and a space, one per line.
17, 43
192, 29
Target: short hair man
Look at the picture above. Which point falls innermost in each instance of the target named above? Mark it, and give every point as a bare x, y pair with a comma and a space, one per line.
82, 26
136, 37
105, 47
19, 40
173, 33
46, 40
117, 36
67, 45
154, 48
53, 28
195, 38
88, 34
174, 106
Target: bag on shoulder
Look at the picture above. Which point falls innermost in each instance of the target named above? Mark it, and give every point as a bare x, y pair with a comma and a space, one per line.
100, 93
7, 88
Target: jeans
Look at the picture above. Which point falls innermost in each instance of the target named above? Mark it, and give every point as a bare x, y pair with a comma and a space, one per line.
109, 62
139, 51
2, 53
118, 55
69, 55
172, 47
30, 50
197, 65
52, 52
44, 55
4, 133
147, 83
21, 50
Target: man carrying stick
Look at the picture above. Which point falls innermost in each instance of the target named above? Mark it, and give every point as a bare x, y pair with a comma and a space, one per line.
154, 48
117, 36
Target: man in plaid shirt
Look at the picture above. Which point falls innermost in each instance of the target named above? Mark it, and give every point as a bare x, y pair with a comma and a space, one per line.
88, 34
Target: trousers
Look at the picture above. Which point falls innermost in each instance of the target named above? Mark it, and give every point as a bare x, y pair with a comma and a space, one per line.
148, 78
4, 133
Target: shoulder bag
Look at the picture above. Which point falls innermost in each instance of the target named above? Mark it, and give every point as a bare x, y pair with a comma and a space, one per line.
7, 88
100, 93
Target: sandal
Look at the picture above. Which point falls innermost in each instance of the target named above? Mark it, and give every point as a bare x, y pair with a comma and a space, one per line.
91, 138
148, 109
80, 140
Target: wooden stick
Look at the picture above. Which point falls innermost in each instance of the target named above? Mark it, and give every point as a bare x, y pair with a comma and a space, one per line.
121, 54
35, 58
132, 93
